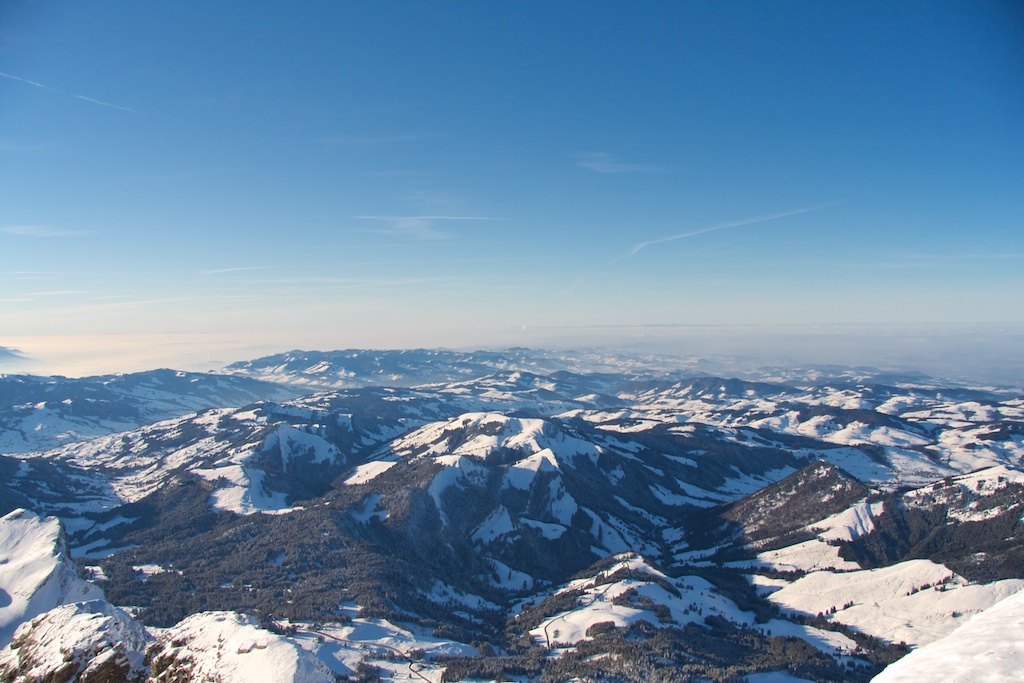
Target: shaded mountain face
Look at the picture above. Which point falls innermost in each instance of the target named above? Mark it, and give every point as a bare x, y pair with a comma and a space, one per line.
781, 514
973, 524
482, 505
798, 501
617, 509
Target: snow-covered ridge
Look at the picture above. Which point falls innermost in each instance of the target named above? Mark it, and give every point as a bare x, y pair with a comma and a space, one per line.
631, 590
480, 435
81, 641
232, 648
233, 449
36, 573
40, 413
963, 496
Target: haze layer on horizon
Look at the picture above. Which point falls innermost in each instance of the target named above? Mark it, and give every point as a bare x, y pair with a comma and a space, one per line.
990, 355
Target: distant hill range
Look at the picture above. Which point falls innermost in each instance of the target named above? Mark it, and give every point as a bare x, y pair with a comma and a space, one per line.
519, 513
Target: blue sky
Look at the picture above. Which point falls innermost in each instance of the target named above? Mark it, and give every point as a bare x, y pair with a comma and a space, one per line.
195, 180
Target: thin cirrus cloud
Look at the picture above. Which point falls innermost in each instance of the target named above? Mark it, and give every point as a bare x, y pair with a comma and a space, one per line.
42, 231
57, 292
237, 269
69, 94
724, 226
419, 227
602, 162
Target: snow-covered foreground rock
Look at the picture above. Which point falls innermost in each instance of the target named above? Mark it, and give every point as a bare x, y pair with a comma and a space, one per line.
225, 647
36, 573
85, 641
987, 649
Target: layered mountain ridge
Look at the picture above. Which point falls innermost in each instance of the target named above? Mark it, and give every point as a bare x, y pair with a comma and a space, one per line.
693, 512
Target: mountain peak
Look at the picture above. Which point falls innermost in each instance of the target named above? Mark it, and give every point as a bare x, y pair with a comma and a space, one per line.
36, 573
809, 495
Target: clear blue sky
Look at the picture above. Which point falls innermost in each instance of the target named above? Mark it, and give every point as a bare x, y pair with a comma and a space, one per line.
265, 175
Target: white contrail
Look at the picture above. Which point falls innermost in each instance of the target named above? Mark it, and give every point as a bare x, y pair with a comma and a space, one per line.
64, 92
734, 224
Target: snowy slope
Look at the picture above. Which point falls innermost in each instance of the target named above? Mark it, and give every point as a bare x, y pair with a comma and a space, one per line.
381, 643
480, 435
916, 602
225, 647
36, 573
965, 496
631, 590
986, 649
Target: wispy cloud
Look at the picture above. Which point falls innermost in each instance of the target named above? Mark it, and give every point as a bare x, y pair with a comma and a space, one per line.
42, 231
70, 94
419, 227
725, 226
235, 270
57, 292
452, 261
602, 162
329, 282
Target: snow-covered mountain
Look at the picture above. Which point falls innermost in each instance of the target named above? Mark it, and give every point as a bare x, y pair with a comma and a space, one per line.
407, 368
83, 641
36, 573
231, 648
663, 525
38, 413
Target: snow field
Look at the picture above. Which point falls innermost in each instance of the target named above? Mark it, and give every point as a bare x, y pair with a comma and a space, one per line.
892, 603
380, 643
808, 556
988, 648
367, 472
